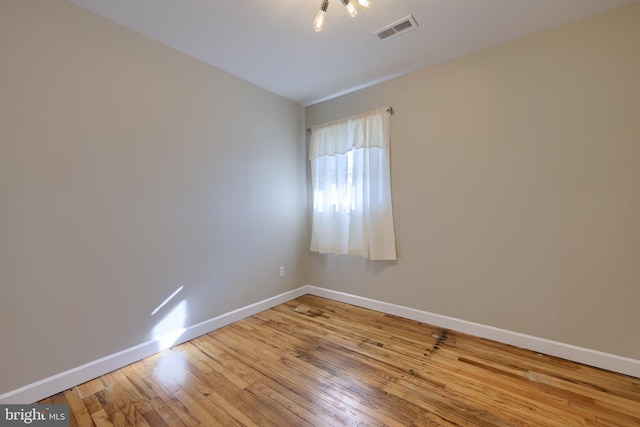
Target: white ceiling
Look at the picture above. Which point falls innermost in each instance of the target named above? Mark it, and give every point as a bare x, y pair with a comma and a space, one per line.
272, 44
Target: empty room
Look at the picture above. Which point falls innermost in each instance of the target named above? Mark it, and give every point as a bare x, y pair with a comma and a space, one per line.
320, 213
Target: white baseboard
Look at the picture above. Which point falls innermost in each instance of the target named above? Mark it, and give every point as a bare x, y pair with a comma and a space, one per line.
55, 384
64, 380
610, 362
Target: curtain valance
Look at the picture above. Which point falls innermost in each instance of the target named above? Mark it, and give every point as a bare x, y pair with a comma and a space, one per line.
366, 130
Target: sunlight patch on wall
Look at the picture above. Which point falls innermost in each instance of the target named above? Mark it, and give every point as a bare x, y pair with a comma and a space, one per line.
167, 300
171, 327
168, 330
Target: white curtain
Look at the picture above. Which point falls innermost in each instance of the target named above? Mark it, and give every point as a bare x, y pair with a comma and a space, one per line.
351, 177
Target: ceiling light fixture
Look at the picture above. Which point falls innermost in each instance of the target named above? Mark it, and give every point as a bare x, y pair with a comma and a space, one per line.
352, 10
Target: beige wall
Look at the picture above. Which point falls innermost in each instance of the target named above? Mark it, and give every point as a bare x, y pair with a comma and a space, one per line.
516, 187
128, 169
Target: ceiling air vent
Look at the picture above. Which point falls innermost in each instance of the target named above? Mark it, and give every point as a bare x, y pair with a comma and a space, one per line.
401, 26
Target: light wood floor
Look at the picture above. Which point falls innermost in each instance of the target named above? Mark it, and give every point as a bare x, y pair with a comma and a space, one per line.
316, 362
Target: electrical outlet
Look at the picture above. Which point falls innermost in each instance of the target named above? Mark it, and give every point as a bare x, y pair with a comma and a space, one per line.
282, 271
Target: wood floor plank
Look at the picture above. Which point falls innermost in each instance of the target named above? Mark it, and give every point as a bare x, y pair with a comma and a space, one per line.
312, 406
200, 388
265, 363
115, 402
78, 408
316, 362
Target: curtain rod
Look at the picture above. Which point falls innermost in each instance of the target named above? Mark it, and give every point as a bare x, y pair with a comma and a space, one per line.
389, 111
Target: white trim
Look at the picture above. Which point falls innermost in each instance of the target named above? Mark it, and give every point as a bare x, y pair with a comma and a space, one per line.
611, 362
55, 384
64, 380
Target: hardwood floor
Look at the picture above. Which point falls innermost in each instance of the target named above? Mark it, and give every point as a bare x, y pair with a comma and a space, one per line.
317, 362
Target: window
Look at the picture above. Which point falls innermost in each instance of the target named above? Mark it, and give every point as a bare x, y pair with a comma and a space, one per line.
350, 173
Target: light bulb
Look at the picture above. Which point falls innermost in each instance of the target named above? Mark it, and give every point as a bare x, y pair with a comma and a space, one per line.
351, 9
318, 23
364, 3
